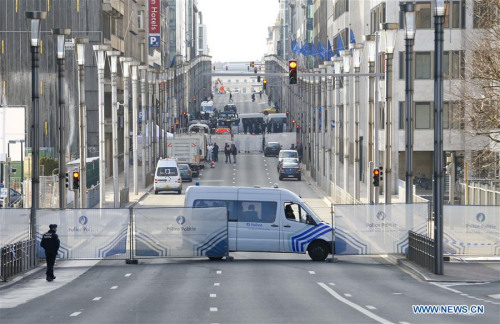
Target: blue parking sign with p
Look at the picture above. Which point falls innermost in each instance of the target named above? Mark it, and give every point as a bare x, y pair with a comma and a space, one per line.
154, 41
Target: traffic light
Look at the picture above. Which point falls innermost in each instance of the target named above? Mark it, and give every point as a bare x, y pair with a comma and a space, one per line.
76, 180
288, 112
258, 78
381, 173
194, 99
292, 71
172, 128
264, 84
376, 177
252, 64
255, 70
69, 183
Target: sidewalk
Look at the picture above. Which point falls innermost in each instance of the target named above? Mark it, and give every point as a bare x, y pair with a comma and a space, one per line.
456, 270
133, 198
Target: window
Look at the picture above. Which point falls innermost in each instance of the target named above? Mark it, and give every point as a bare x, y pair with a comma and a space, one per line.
377, 16
422, 65
454, 67
295, 213
140, 19
339, 7
456, 14
402, 65
166, 171
446, 114
257, 211
402, 114
423, 15
422, 115
229, 204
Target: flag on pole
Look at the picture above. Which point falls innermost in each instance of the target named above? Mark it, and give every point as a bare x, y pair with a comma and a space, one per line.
314, 52
351, 38
305, 49
321, 51
329, 53
340, 45
296, 48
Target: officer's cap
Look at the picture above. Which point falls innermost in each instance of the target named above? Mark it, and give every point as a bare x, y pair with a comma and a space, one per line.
53, 226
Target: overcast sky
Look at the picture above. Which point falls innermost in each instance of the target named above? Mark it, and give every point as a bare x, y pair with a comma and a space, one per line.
237, 29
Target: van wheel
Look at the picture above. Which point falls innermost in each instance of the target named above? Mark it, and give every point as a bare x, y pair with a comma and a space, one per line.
318, 251
298, 178
281, 178
215, 258
179, 191
156, 192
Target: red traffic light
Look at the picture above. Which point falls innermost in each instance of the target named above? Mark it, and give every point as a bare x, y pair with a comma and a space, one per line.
184, 113
172, 127
288, 112
376, 172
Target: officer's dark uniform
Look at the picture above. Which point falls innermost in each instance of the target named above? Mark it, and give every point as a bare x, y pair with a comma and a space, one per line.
50, 242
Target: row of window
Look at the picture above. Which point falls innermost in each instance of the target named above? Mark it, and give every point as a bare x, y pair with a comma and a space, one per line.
453, 65
424, 115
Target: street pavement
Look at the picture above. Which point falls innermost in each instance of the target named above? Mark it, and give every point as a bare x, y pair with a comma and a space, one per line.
255, 287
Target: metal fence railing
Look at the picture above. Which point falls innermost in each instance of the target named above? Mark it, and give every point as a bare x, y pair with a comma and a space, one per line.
17, 257
421, 250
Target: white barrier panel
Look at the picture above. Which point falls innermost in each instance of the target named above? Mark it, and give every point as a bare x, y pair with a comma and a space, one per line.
248, 143
87, 233
471, 230
180, 232
14, 225
377, 229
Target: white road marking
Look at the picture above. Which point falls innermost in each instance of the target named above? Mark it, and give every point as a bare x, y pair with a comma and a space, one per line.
497, 296
268, 178
397, 293
371, 307
353, 305
312, 272
75, 314
213, 295
348, 295
213, 309
331, 284
128, 275
97, 298
219, 271
444, 287
217, 284
404, 323
114, 287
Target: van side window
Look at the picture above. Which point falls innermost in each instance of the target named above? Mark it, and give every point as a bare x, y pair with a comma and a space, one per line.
295, 213
230, 205
257, 211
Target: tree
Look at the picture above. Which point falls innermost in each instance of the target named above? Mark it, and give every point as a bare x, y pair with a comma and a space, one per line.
480, 89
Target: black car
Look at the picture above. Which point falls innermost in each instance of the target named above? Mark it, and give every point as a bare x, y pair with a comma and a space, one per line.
290, 170
230, 107
185, 170
272, 149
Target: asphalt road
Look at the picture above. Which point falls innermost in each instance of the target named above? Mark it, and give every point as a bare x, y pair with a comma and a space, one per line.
253, 288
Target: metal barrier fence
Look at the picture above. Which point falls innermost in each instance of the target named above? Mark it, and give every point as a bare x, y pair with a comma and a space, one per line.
421, 250
17, 257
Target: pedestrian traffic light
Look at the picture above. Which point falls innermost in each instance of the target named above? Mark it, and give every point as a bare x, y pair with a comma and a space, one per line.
258, 78
76, 180
264, 84
292, 71
376, 177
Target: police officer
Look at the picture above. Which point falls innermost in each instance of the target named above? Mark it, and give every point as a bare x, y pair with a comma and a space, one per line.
50, 242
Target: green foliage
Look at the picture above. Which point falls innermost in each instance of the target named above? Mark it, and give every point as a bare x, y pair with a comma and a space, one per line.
49, 164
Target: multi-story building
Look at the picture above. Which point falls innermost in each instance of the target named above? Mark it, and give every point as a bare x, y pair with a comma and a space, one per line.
347, 22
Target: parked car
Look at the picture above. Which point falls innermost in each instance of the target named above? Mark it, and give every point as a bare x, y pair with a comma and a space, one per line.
186, 173
287, 154
290, 170
286, 160
272, 149
14, 196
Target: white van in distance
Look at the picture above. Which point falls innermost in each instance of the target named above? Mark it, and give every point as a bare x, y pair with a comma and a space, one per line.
266, 220
167, 176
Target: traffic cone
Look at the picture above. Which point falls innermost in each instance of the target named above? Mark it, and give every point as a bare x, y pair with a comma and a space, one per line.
212, 165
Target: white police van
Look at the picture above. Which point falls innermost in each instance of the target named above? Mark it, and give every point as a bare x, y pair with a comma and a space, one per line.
266, 220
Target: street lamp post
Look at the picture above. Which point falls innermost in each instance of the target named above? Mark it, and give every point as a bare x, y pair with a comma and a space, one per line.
100, 54
409, 11
113, 64
126, 127
337, 65
390, 30
143, 71
59, 33
370, 44
34, 18
356, 62
135, 126
346, 58
80, 59
438, 136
